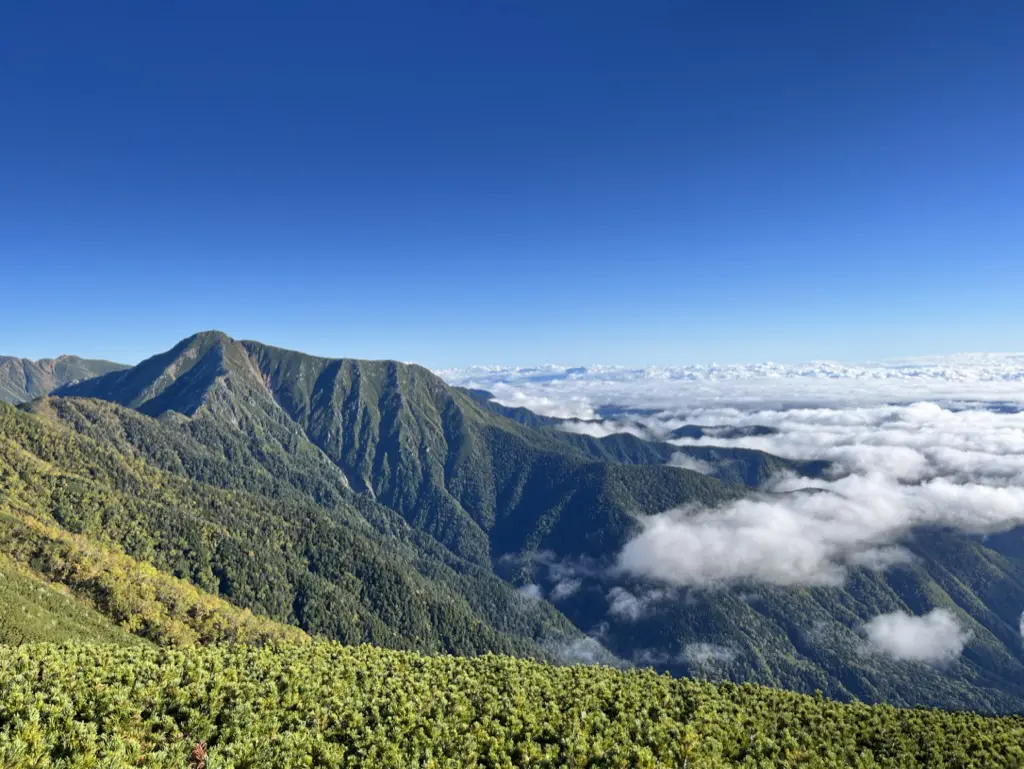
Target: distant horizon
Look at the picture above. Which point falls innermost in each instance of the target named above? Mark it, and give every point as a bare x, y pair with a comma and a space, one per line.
552, 364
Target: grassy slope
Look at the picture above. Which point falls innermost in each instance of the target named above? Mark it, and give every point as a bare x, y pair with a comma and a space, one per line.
34, 610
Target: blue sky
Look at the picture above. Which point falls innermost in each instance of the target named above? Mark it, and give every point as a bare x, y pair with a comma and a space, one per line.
514, 182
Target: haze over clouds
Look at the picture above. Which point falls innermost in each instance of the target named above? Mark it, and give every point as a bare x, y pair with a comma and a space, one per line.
573, 392
913, 443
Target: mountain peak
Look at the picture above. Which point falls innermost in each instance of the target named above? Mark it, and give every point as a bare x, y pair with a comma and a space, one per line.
176, 380
211, 336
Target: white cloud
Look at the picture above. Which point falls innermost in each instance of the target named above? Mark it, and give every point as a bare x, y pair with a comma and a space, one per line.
696, 655
804, 538
984, 376
565, 588
912, 443
563, 407
680, 459
934, 638
600, 429
585, 650
895, 467
625, 605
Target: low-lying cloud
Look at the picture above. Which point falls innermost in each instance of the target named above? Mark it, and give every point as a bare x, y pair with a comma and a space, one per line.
935, 638
895, 468
631, 606
623, 604
578, 392
804, 538
699, 656
919, 443
679, 459
531, 592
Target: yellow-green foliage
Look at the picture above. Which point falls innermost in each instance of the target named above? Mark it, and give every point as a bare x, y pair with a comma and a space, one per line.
32, 609
135, 595
322, 704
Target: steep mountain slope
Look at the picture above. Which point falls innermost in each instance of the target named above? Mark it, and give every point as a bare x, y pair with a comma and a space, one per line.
327, 570
463, 492
22, 379
479, 483
810, 638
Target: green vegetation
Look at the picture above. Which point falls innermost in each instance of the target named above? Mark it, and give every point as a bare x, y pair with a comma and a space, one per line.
367, 501
135, 596
478, 483
326, 705
22, 379
33, 610
327, 571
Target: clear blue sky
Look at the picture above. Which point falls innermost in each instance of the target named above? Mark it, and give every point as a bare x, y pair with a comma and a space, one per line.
514, 181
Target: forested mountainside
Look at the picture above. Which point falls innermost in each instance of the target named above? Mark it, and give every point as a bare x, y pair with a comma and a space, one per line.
480, 484
325, 705
318, 467
22, 379
328, 571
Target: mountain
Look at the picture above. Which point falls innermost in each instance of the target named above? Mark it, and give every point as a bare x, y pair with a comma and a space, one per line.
331, 465
22, 379
481, 484
326, 570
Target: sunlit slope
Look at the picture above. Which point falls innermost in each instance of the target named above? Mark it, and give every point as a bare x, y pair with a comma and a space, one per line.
34, 610
328, 571
481, 484
326, 705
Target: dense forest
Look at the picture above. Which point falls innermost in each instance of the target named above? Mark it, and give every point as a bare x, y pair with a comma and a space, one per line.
326, 705
328, 572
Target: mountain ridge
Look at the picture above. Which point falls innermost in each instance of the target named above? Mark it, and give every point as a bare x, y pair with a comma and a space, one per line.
491, 494
23, 379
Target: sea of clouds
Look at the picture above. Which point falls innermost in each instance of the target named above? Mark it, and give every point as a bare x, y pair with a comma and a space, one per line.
919, 442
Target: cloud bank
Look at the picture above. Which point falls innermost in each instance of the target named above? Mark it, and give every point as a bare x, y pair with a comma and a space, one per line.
924, 442
703, 654
578, 392
935, 638
806, 538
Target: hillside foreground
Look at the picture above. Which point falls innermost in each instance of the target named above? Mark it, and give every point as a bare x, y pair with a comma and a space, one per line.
327, 705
